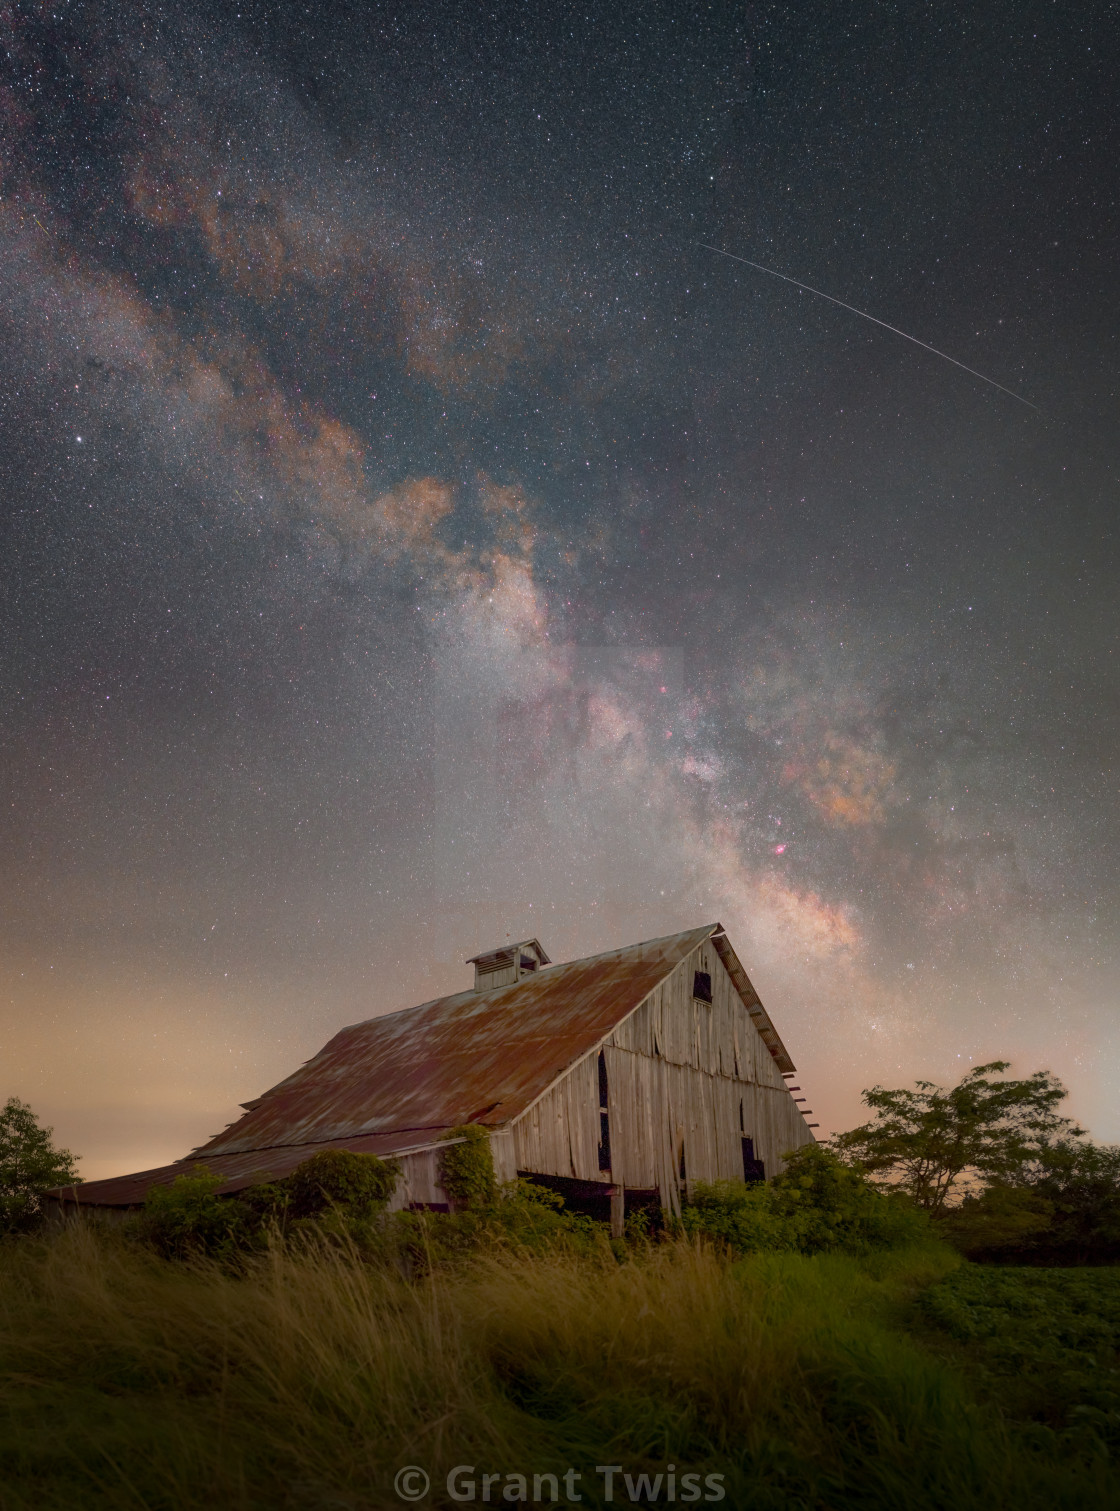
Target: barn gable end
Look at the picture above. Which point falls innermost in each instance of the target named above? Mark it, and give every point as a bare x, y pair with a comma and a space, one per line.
688, 1080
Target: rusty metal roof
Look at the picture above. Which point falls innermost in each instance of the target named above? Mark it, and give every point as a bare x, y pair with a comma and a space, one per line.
399, 1081
470, 1058
239, 1170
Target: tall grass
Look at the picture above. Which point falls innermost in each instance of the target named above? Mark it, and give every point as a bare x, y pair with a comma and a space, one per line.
308, 1379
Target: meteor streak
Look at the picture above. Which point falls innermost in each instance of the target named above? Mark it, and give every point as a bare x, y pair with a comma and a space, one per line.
874, 320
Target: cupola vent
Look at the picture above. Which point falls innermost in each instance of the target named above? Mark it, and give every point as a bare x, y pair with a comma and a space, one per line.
507, 966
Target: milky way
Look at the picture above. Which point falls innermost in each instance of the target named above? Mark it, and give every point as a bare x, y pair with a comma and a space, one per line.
412, 539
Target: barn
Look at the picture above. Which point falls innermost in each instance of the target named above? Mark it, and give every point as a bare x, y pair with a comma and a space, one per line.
619, 1079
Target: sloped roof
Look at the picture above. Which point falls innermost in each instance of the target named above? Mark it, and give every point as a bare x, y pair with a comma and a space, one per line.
397, 1082
475, 1057
238, 1170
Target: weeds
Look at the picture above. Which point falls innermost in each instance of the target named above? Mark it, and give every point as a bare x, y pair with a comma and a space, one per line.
1045, 1344
310, 1375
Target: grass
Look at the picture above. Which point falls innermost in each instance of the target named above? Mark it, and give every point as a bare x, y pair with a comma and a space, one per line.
309, 1379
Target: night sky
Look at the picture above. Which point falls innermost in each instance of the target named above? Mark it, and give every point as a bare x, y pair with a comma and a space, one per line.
413, 538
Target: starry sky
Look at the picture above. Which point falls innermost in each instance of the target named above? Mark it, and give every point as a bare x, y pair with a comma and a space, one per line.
413, 537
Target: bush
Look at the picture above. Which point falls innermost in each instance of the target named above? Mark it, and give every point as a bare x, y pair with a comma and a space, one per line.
1082, 1182
998, 1219
830, 1205
817, 1203
188, 1217
520, 1217
1063, 1209
742, 1215
355, 1185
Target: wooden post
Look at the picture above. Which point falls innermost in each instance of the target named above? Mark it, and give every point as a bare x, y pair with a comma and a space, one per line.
618, 1210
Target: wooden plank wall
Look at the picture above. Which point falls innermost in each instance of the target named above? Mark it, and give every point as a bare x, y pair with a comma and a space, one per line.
559, 1135
419, 1182
680, 1073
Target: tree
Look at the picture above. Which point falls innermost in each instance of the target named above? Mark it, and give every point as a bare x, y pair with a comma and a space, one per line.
1081, 1181
29, 1165
927, 1139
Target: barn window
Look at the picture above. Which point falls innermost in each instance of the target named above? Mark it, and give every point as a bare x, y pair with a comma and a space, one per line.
683, 1166
604, 1119
753, 1169
528, 963
702, 986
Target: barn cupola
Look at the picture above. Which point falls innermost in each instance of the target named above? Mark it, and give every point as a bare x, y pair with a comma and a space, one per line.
508, 965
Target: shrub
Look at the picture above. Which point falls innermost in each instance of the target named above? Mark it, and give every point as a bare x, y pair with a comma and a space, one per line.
830, 1205
188, 1217
999, 1218
817, 1203
742, 1215
1064, 1209
520, 1217
355, 1185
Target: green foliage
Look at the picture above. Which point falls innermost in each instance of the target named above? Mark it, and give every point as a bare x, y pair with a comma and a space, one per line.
927, 1139
308, 1376
335, 1190
817, 1203
466, 1168
1081, 1182
520, 1217
188, 1217
29, 1165
830, 1205
1043, 1343
998, 1218
358, 1185
741, 1214
1063, 1209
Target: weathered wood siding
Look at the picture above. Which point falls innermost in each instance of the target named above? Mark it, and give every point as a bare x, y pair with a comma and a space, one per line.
695, 1078
683, 1077
419, 1183
559, 1135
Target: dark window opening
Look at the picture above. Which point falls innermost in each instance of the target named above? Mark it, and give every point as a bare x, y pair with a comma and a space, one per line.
528, 963
604, 1120
702, 986
753, 1169
683, 1168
